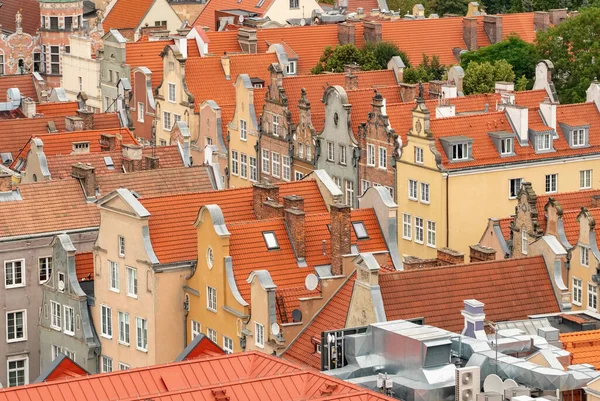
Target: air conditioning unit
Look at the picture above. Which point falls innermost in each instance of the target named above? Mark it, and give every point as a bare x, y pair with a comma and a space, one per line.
489, 396
510, 393
468, 383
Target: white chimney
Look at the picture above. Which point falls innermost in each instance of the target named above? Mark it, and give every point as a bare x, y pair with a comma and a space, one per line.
519, 118
503, 87
182, 45
593, 94
548, 111
443, 111
449, 91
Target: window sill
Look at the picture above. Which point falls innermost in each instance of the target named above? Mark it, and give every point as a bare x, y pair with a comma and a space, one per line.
69, 333
9, 287
56, 328
432, 246
18, 340
581, 188
134, 296
123, 344
116, 290
576, 303
382, 168
419, 242
425, 203
244, 139
259, 346
140, 121
592, 309
106, 336
413, 199
407, 238
141, 349
211, 310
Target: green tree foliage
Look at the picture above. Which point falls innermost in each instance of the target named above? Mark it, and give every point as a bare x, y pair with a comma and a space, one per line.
443, 7
522, 83
430, 69
406, 6
370, 57
574, 49
384, 51
482, 77
518, 53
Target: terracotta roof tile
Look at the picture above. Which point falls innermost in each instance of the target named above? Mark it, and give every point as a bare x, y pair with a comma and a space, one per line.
207, 15
23, 82
54, 109
505, 227
521, 24
30, 10
126, 14
366, 5
84, 266
65, 370
291, 300
147, 54
511, 289
584, 347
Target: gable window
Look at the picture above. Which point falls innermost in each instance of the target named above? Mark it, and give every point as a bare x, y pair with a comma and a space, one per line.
309, 151
270, 240
276, 167
196, 329
124, 328
243, 130
140, 112
506, 146
419, 230
578, 137
370, 155
61, 281
431, 233
45, 268
286, 172
349, 192
406, 226
106, 364
543, 142
212, 334
584, 255
55, 316
124, 366
14, 273
577, 291
585, 179
294, 3
253, 169
275, 125
141, 330
259, 333
298, 175
460, 151
301, 150
121, 246
412, 190
524, 242
592, 298
244, 166
17, 371
81, 147
424, 193
106, 320
235, 166
132, 282
113, 284
69, 320
211, 299
418, 155
2, 64
55, 60
551, 183
227, 345
382, 158
360, 230
266, 161
342, 154
16, 326
171, 92
514, 185
167, 120
291, 67
364, 185
330, 152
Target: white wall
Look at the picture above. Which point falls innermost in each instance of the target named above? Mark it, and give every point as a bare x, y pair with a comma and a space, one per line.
161, 11
79, 63
280, 10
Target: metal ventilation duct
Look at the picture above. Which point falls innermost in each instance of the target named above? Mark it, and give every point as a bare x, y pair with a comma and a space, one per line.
14, 100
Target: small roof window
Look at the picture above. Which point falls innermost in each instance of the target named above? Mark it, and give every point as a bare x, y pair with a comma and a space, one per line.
360, 230
109, 162
271, 240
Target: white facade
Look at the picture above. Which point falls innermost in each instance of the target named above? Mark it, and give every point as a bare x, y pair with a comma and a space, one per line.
81, 73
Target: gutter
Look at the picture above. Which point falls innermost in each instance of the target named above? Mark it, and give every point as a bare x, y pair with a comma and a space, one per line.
46, 234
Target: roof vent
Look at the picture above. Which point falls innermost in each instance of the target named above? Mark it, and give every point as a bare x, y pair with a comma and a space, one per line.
220, 395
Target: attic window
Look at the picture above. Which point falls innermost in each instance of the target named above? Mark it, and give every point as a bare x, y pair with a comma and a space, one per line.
81, 147
109, 162
504, 142
460, 151
458, 148
360, 230
6, 158
260, 3
271, 240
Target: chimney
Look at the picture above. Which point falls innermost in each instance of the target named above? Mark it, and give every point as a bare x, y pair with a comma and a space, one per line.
265, 201
449, 91
456, 74
548, 111
158, 34
397, 65
447, 256
595, 201
226, 65
435, 89
408, 92
470, 33
5, 182
108, 142
592, 94
480, 253
504, 87
473, 9
492, 25
85, 173
73, 123
151, 162
346, 33
87, 117
294, 221
372, 31
248, 40
28, 107
541, 20
558, 15
276, 74
351, 77
340, 236
474, 318
132, 157
377, 103
445, 110
519, 118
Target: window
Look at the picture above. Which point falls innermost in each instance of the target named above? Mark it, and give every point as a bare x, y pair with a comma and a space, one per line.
227, 345
382, 158
418, 155
330, 151
160, 23
370, 155
212, 334
424, 193
419, 230
298, 175
360, 230
106, 364
342, 154
16, 326
211, 299
106, 319
266, 161
14, 273
506, 146
124, 366
584, 255
291, 67
406, 226
309, 151
68, 23
364, 185
551, 183
210, 257
124, 328
524, 241
235, 167
121, 246
270, 240
132, 282
275, 125
45, 267
196, 329
113, 284
460, 151
514, 185
171, 93
55, 351
243, 130
141, 329
253, 169
337, 181
259, 333
81, 147
391, 191
1, 64
55, 316
18, 371
349, 192
543, 142
140, 112
69, 320
592, 297
301, 150
162, 142
412, 190
37, 62
80, 84
431, 233
276, 171
53, 22
577, 291
585, 179
208, 141
61, 281
54, 59
244, 166
286, 172
578, 137
167, 120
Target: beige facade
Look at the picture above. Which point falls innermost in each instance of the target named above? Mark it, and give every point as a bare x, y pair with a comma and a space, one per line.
281, 11
81, 72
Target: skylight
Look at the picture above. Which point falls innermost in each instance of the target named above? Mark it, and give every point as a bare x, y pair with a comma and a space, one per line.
109, 162
360, 230
271, 240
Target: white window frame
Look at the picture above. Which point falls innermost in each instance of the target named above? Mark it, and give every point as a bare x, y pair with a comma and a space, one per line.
413, 193
330, 151
286, 168
431, 234
425, 195
172, 92
275, 121
132, 282
342, 154
419, 230
584, 255
544, 142
106, 320
298, 175
167, 123
69, 320
140, 112
511, 183
25, 369
195, 328
141, 334
364, 185
382, 158
13, 275
592, 297
585, 179
291, 67
578, 137
227, 344
349, 192
243, 130
524, 242
23, 337
106, 364
121, 242
55, 316
506, 146
301, 150
370, 155
212, 334
114, 283
47, 268
244, 165
551, 183
418, 155
124, 366
276, 164
463, 148
253, 169
124, 328
266, 161
211, 298
407, 226
235, 162
259, 335
577, 291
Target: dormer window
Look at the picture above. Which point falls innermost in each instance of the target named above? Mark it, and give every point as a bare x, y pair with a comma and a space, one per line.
543, 142
504, 142
506, 147
578, 137
81, 147
460, 151
458, 148
271, 240
290, 69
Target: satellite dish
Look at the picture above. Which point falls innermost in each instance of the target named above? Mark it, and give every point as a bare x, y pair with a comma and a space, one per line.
242, 20
311, 282
509, 383
275, 329
61, 285
493, 384
296, 315
302, 22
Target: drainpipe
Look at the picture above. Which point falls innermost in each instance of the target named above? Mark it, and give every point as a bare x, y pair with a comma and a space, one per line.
447, 212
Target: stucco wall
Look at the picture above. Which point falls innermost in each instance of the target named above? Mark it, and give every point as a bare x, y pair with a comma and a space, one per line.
280, 11
79, 65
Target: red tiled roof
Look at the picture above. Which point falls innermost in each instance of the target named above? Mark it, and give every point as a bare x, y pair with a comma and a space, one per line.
30, 10
126, 14
204, 348
23, 82
147, 54
505, 227
65, 370
84, 266
291, 300
362, 99
54, 109
366, 5
207, 15
521, 24
240, 376
584, 347
511, 289
332, 316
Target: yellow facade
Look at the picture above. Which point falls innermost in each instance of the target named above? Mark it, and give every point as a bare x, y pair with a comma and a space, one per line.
583, 264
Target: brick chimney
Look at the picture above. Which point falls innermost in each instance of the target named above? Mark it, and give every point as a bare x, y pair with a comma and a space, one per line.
346, 33
372, 31
132, 157
351, 77
470, 32
87, 117
558, 15
86, 174
294, 221
276, 74
595, 201
151, 162
248, 40
108, 142
492, 25
447, 256
5, 182
265, 201
340, 236
541, 20
377, 103
408, 92
73, 123
478, 253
